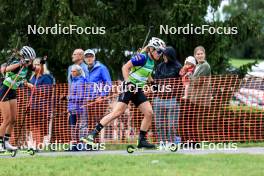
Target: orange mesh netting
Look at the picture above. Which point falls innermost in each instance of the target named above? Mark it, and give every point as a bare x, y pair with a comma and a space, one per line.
218, 109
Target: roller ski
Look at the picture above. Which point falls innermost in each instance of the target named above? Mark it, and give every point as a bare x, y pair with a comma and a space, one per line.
29, 151
89, 139
11, 153
143, 144
7, 149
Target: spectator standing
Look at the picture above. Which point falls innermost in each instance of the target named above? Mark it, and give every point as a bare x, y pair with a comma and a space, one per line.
97, 74
76, 99
41, 74
165, 105
200, 89
97, 78
202, 68
41, 92
77, 58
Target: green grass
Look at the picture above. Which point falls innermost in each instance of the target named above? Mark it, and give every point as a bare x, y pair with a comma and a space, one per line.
244, 108
237, 62
143, 165
250, 144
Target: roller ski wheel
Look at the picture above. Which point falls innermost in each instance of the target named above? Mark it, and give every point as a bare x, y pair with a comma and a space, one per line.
11, 153
130, 149
31, 152
173, 148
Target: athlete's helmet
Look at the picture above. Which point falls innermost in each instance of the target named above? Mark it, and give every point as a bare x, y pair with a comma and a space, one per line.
157, 43
27, 53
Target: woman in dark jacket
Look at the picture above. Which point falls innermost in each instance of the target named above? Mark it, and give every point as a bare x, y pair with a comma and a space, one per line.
165, 105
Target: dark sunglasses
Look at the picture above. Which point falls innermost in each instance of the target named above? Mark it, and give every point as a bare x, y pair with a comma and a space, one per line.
160, 52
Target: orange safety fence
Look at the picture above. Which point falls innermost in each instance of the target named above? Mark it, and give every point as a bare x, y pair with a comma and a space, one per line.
218, 109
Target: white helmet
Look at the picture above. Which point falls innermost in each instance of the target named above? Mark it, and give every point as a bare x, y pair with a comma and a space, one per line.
191, 60
27, 53
157, 43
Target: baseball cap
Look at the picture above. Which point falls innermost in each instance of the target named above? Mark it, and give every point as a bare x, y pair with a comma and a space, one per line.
89, 51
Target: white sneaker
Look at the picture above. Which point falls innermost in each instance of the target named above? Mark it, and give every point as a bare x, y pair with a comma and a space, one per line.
8, 146
2, 147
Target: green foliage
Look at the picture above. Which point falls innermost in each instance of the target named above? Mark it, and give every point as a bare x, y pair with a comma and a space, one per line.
242, 66
249, 17
126, 25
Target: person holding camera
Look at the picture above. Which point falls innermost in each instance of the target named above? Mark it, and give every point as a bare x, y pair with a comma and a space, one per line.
41, 90
15, 72
41, 74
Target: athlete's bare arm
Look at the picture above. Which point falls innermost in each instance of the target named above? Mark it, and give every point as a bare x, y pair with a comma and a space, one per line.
12, 67
126, 69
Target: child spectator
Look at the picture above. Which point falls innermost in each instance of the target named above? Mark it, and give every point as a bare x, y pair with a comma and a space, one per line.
186, 72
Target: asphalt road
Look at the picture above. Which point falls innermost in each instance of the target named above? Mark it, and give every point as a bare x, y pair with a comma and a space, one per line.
250, 150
